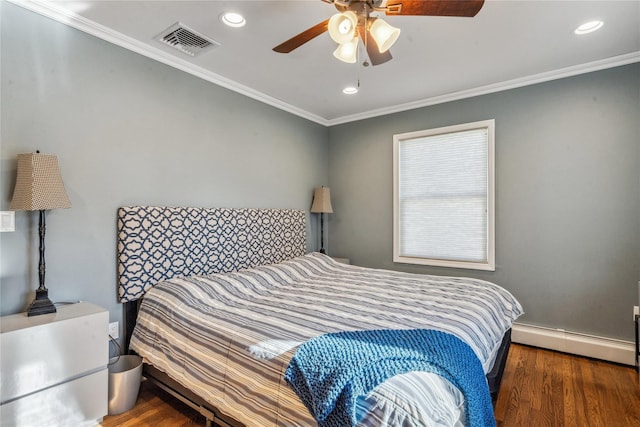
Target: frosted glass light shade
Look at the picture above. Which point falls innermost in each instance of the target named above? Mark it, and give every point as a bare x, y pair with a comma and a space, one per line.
342, 26
347, 52
384, 34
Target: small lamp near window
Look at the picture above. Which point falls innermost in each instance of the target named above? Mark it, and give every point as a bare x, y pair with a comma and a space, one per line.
39, 187
321, 204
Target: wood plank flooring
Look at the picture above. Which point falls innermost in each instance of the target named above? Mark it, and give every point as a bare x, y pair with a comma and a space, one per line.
539, 388
546, 388
156, 408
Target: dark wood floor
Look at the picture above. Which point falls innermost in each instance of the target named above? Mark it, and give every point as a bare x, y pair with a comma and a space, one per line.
539, 388
546, 388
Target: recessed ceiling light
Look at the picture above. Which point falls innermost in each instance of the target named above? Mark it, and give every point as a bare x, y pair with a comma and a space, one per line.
350, 90
588, 27
233, 19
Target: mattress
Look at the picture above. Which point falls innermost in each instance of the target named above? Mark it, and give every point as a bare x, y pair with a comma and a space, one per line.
229, 337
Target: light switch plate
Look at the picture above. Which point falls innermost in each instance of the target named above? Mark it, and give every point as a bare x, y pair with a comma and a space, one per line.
7, 221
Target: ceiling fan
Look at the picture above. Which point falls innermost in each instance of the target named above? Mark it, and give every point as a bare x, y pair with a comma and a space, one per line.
354, 23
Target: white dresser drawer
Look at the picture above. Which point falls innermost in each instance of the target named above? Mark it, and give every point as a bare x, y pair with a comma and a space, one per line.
53, 367
41, 351
78, 403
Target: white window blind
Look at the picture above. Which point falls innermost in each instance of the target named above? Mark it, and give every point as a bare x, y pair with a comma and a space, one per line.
443, 196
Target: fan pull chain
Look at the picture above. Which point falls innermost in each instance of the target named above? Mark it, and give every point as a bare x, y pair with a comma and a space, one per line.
365, 41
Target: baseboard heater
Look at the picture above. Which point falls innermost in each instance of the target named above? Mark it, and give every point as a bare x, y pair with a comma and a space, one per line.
609, 349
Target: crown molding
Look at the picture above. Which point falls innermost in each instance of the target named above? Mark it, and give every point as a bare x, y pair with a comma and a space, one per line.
615, 61
74, 20
51, 10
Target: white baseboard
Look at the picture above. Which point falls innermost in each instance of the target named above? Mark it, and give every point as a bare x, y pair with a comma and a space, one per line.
609, 349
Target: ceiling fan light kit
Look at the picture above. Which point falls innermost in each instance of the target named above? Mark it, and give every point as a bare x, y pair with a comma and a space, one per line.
347, 52
353, 23
384, 34
342, 27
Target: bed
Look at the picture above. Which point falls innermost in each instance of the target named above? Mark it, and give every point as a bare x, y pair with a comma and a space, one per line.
218, 302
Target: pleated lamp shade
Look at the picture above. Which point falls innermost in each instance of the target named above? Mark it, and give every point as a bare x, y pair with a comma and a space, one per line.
39, 184
321, 201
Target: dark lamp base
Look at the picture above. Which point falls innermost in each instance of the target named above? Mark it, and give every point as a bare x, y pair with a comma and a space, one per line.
42, 304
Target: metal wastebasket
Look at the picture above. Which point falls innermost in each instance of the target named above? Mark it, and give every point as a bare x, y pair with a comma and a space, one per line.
125, 374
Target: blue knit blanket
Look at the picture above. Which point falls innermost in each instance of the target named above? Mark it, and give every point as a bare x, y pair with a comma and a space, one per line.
331, 371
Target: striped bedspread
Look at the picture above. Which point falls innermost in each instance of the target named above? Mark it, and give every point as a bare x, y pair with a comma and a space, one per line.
230, 337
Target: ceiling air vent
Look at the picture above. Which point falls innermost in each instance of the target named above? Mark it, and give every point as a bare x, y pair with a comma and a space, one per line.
186, 40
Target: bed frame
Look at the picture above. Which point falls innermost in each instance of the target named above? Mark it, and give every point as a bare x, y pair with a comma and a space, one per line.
157, 243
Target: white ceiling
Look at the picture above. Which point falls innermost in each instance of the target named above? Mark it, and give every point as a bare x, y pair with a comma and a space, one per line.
436, 59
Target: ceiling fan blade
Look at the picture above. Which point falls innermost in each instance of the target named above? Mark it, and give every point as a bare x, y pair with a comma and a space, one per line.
300, 39
373, 52
466, 8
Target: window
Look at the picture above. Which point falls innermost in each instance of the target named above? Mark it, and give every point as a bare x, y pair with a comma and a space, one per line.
443, 196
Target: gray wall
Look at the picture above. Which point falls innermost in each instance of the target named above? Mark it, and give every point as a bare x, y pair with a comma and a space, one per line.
129, 130
567, 195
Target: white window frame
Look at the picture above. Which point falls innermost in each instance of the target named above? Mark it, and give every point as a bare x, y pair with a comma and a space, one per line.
489, 263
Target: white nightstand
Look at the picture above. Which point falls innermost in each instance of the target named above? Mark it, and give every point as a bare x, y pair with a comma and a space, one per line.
53, 367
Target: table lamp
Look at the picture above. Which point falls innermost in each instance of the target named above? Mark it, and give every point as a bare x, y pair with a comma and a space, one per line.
321, 204
39, 187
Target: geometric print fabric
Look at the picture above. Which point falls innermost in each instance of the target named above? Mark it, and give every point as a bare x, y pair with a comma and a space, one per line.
156, 243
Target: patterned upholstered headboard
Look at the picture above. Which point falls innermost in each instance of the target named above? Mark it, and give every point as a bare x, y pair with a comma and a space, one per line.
158, 243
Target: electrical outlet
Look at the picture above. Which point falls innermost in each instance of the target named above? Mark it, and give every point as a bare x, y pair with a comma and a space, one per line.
636, 312
114, 331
